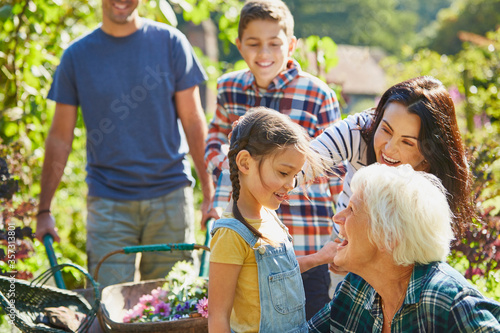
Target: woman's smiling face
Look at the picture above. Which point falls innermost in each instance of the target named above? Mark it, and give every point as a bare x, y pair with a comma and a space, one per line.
396, 139
356, 251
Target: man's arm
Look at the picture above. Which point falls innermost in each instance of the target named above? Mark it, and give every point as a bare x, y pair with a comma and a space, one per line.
57, 149
193, 121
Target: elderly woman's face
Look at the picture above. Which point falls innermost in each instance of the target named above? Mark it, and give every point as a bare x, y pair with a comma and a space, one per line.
356, 250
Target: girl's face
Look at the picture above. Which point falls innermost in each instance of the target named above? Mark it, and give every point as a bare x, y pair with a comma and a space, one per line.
267, 183
396, 138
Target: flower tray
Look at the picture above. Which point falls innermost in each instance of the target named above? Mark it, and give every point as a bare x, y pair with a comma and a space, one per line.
116, 299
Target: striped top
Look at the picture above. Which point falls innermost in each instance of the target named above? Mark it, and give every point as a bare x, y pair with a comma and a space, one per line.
309, 102
342, 142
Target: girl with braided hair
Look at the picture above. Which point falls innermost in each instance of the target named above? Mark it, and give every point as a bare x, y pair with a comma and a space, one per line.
255, 280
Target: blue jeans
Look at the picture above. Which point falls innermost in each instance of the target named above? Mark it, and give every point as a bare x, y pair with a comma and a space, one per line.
114, 224
316, 284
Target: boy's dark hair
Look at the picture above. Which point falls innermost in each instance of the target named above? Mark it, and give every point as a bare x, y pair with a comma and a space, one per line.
274, 10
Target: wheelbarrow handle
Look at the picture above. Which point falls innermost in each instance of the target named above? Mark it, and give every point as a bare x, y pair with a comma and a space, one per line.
205, 256
48, 241
149, 248
163, 247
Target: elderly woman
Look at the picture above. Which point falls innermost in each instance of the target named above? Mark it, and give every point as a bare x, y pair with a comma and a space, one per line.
396, 234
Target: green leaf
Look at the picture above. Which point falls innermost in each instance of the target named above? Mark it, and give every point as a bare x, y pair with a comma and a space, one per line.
186, 6
11, 129
8, 26
18, 8
5, 12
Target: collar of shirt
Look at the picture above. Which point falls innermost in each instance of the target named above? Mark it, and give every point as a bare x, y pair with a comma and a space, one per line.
418, 277
372, 298
280, 81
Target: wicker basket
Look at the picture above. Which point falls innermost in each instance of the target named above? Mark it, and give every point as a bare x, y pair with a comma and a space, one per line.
26, 301
116, 299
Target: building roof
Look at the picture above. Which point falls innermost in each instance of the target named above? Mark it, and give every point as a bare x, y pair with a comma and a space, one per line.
358, 71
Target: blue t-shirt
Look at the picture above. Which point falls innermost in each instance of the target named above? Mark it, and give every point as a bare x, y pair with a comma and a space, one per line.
125, 87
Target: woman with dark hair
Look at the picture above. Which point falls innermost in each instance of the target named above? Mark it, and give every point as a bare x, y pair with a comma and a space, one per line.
414, 123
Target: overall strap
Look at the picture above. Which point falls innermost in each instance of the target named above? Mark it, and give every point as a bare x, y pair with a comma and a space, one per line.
237, 226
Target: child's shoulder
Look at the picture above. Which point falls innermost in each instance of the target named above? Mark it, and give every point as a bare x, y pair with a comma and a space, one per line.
310, 82
241, 76
227, 246
231, 226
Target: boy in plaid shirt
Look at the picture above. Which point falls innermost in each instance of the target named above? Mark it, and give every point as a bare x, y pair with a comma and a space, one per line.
266, 43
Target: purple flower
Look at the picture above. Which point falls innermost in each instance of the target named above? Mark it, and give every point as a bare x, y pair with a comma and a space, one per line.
162, 308
186, 306
202, 307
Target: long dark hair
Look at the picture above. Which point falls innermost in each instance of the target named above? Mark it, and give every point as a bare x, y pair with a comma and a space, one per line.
262, 132
439, 141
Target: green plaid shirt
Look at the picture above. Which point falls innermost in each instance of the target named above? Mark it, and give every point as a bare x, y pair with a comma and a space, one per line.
438, 299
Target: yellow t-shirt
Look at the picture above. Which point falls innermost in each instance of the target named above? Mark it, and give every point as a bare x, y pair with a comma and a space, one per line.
228, 247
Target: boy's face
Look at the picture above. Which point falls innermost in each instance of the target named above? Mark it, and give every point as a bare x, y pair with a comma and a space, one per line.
266, 49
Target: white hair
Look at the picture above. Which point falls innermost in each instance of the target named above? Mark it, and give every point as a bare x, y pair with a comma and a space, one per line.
408, 211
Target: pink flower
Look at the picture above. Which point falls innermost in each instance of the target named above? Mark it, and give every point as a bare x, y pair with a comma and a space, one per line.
138, 310
456, 95
159, 293
127, 317
147, 300
130, 316
202, 307
470, 272
162, 308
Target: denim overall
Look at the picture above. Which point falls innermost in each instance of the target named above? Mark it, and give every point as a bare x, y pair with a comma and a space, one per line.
282, 298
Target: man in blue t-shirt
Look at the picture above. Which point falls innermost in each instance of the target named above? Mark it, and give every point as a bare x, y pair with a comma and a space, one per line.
136, 82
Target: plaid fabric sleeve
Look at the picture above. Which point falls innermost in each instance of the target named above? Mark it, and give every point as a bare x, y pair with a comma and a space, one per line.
320, 322
215, 157
471, 313
329, 112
